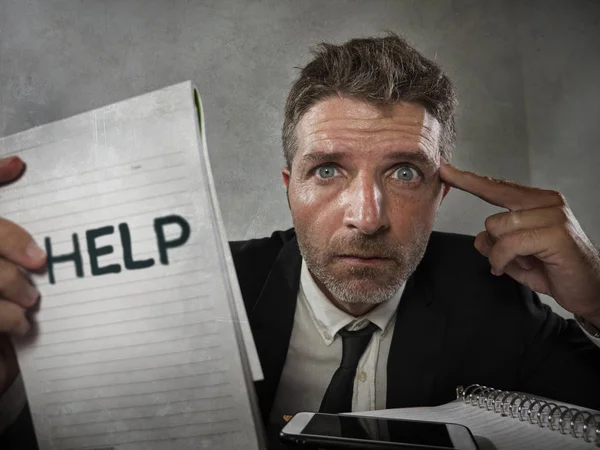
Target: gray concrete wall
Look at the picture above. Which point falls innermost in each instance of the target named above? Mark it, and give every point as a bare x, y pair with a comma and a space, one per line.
560, 45
62, 57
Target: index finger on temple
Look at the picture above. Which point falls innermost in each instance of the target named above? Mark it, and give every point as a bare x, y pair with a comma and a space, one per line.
498, 192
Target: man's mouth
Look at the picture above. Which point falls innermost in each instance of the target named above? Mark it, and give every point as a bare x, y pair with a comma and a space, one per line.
364, 256
364, 259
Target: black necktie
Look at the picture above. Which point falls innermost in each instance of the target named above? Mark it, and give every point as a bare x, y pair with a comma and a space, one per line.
338, 396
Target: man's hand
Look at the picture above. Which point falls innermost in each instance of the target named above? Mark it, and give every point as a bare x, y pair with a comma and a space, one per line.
18, 251
538, 242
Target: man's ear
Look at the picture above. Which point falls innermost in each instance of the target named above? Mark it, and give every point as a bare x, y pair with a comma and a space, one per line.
285, 173
447, 188
446, 185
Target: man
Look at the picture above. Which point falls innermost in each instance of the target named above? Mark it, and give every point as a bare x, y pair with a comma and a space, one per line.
362, 279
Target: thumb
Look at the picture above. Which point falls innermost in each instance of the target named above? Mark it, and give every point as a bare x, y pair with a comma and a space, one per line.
10, 169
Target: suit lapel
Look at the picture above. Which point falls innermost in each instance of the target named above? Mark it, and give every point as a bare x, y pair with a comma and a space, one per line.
272, 320
417, 343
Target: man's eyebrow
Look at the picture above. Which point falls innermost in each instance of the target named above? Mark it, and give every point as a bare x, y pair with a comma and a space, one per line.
322, 157
417, 156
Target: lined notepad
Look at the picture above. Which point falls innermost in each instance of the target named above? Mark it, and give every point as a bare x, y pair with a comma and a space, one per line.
492, 431
154, 351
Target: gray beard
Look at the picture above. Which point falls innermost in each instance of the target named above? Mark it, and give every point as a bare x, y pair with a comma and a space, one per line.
346, 292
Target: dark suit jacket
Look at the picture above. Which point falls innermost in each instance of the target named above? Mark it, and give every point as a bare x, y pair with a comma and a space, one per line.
456, 325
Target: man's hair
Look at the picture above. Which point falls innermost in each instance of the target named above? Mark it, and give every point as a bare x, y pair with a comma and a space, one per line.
382, 71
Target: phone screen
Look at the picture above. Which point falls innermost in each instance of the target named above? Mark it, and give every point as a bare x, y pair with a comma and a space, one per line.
398, 431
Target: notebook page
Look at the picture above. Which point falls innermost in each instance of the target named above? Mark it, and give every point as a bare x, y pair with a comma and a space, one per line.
250, 361
505, 433
143, 354
241, 318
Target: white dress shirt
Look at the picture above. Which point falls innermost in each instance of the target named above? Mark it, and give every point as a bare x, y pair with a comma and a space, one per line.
315, 353
315, 350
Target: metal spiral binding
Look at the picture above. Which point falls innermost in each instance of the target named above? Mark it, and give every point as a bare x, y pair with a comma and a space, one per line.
578, 423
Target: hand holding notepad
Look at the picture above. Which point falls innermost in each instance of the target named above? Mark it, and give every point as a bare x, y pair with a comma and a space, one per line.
140, 340
17, 250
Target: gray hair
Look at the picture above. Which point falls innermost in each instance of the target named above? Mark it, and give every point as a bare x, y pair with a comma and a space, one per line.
382, 71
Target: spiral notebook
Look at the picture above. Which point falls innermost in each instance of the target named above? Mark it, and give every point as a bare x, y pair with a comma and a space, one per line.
506, 420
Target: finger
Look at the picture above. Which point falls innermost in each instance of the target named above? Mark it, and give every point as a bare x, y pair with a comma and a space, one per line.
15, 286
526, 219
12, 318
520, 243
484, 244
502, 193
18, 246
533, 279
10, 169
526, 262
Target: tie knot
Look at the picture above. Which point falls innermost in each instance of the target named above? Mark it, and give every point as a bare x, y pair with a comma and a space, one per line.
366, 331
354, 344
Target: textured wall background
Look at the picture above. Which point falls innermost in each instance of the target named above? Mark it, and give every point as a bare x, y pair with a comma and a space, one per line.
561, 68
526, 73
561, 71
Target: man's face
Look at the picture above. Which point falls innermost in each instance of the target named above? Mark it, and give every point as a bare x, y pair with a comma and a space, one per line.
364, 190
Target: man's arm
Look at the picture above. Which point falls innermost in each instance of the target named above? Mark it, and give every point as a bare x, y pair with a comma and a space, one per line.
558, 361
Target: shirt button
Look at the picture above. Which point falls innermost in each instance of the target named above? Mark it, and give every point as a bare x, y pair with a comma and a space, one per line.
362, 376
327, 335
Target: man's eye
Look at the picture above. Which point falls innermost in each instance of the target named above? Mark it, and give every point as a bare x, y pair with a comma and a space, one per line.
326, 171
406, 173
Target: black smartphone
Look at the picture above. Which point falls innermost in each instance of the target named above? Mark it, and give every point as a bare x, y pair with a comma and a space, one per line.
373, 433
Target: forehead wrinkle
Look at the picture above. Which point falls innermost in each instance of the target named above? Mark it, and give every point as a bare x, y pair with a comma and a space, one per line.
329, 127
414, 129
350, 108
430, 139
365, 124
402, 138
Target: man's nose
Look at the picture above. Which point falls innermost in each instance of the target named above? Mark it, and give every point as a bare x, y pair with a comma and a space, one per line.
365, 206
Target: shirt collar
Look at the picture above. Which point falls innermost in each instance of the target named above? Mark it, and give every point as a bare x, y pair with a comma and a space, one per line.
328, 319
